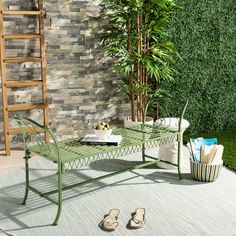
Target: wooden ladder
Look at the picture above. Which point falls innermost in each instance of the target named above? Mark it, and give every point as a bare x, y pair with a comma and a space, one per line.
39, 13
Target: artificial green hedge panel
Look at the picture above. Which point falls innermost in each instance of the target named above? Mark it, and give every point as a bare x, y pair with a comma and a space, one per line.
204, 33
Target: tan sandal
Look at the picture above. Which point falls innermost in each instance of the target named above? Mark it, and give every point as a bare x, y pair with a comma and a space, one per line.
110, 222
138, 219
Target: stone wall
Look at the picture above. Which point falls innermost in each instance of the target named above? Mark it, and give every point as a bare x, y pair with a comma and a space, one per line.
82, 88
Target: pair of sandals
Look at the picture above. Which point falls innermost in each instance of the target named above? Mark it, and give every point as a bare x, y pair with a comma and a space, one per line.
110, 222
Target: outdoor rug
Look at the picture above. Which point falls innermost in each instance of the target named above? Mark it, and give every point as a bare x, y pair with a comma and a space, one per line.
173, 207
3, 233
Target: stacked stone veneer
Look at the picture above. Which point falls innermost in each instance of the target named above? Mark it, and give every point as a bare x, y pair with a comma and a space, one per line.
82, 88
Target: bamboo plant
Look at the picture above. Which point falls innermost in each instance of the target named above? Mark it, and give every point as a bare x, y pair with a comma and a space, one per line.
136, 36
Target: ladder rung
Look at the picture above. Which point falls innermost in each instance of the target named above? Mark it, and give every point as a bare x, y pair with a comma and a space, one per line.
22, 59
24, 83
13, 12
16, 131
21, 107
21, 36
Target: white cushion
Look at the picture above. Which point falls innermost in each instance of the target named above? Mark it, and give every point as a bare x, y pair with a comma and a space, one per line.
171, 123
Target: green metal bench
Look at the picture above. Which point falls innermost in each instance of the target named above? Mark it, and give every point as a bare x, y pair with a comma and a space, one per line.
70, 153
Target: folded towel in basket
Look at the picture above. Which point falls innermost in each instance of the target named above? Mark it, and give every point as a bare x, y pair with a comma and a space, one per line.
208, 153
217, 159
196, 145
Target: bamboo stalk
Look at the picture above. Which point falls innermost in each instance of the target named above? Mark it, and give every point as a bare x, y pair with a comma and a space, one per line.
146, 77
139, 66
144, 73
131, 79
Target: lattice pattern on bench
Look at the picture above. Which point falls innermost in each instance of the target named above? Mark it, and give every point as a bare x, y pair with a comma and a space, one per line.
117, 153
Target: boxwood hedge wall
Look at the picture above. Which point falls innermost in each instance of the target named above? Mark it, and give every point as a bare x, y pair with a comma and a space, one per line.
204, 32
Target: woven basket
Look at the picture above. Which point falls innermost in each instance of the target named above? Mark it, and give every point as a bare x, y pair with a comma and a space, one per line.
205, 172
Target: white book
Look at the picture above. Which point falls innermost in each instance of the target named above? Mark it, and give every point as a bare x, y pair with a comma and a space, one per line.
92, 139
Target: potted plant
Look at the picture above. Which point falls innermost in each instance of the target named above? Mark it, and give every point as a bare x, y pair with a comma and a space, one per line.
135, 35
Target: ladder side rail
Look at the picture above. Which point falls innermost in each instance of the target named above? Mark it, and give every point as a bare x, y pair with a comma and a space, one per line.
43, 65
4, 89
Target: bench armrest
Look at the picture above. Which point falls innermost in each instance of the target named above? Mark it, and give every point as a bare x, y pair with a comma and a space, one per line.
34, 137
174, 123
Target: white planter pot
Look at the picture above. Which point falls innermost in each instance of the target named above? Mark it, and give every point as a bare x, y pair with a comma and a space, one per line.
169, 152
128, 121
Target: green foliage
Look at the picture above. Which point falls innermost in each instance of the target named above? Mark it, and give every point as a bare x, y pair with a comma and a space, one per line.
204, 35
136, 36
156, 16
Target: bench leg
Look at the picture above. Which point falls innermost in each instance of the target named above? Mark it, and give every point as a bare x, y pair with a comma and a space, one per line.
143, 152
59, 207
180, 142
26, 157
